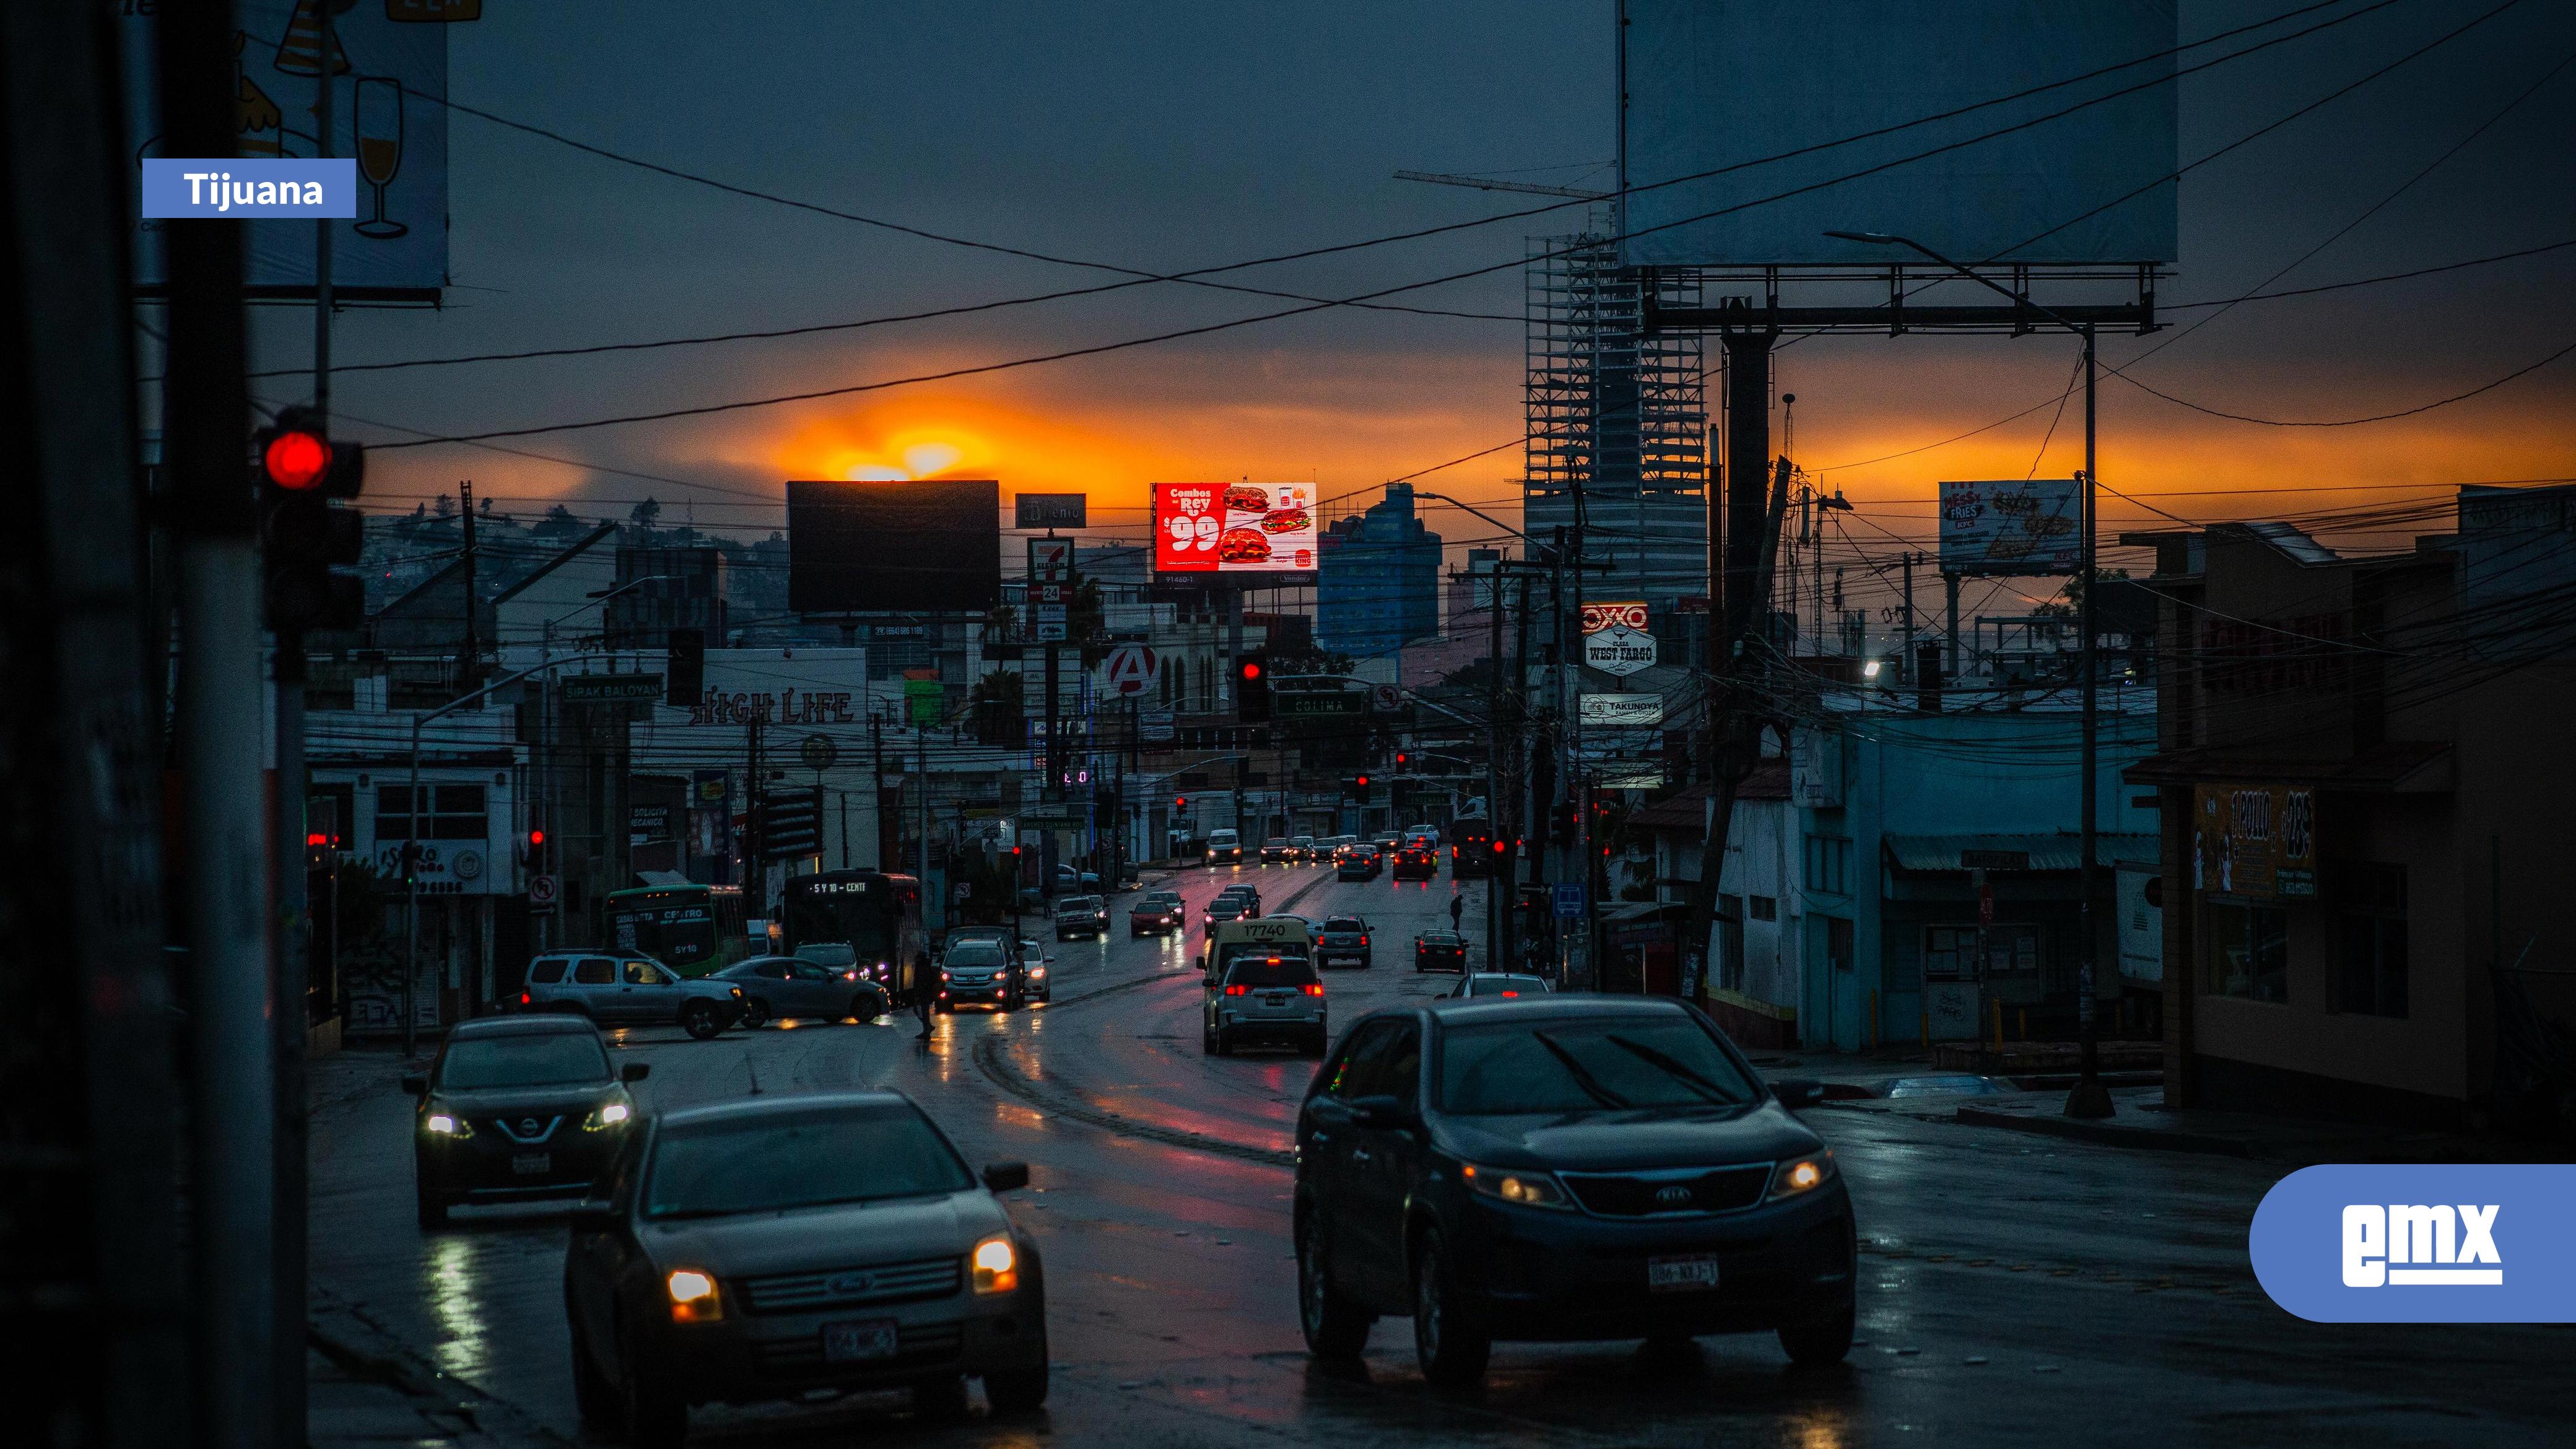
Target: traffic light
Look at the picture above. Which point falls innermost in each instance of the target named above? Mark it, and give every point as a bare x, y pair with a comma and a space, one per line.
1561, 822
1252, 687
1180, 802
301, 472
685, 675
1399, 759
1358, 789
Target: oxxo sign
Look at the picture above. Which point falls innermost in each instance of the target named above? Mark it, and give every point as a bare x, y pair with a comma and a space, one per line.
1597, 617
2485, 1243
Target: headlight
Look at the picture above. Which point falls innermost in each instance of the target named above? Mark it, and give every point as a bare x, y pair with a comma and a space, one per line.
447, 1124
693, 1297
943, 976
997, 1265
1513, 1185
607, 1116
1804, 1174
737, 992
1037, 973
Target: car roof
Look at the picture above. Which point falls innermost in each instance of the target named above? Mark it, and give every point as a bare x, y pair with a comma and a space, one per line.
1467, 1010
780, 1104
548, 1024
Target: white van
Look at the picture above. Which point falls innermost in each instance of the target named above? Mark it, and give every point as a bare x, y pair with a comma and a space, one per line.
1224, 847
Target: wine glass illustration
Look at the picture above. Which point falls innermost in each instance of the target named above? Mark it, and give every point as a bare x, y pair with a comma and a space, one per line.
380, 137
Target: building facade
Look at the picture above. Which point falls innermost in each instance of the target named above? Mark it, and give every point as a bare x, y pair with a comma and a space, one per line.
1378, 584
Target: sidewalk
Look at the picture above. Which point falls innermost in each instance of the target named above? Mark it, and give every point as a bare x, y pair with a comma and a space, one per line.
362, 1393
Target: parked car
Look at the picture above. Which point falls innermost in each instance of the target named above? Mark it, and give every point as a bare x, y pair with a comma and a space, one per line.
1081, 916
1160, 912
782, 1246
629, 990
1275, 998
1359, 862
1502, 984
986, 973
1224, 847
1440, 951
793, 986
1277, 851
517, 1108
1566, 1168
1345, 942
1416, 862
1301, 847
1068, 880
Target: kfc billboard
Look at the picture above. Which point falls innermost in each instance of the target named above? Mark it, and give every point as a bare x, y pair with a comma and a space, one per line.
1234, 528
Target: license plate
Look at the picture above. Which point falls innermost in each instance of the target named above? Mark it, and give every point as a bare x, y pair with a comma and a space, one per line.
532, 1162
1696, 1273
1276, 1000
853, 1340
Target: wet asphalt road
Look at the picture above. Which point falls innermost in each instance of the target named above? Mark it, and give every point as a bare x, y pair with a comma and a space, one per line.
2014, 1290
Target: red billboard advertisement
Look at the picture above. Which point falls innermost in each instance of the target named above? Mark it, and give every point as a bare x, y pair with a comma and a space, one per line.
1234, 528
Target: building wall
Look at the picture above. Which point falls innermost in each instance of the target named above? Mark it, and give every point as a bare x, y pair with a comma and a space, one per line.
1378, 584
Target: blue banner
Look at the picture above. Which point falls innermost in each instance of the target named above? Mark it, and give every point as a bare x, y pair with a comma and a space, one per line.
2480, 1243
243, 188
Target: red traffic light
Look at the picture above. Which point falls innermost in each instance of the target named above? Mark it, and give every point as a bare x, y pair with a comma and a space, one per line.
1252, 669
1362, 782
1181, 802
296, 460
536, 837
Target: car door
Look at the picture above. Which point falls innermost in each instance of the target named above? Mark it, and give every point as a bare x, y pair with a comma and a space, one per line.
595, 987
648, 993
1382, 1163
819, 990
1328, 1147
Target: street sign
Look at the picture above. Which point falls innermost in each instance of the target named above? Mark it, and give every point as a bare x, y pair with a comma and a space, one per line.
543, 890
1051, 613
1049, 510
1319, 704
818, 752
1569, 900
1051, 631
1628, 615
612, 689
1618, 649
1385, 698
1156, 726
1050, 593
1132, 669
1621, 710
1049, 557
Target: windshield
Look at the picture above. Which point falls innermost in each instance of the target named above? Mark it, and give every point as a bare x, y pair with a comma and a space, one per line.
1265, 972
865, 917
1161, 898
548, 1059
683, 934
1505, 986
807, 1158
830, 956
1587, 1066
1290, 953
975, 953
1345, 923
1078, 903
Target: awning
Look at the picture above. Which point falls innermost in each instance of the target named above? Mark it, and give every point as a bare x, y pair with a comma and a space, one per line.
2406, 767
2015, 852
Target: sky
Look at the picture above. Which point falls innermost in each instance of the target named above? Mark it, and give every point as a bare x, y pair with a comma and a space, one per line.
1163, 136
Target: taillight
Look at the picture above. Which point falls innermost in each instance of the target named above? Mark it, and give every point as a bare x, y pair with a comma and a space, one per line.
523, 998
1314, 988
1363, 940
1511, 993
1237, 990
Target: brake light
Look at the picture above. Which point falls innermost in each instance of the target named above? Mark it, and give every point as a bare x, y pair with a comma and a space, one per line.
524, 998
1314, 988
1237, 990
1363, 940
1511, 993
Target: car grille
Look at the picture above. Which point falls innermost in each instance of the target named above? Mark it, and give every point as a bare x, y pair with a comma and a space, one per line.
1642, 1194
840, 1287
797, 1358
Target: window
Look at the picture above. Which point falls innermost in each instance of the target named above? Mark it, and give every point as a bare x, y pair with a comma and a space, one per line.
2370, 905
1838, 943
456, 812
2249, 952
643, 973
547, 972
1829, 864
1343, 1077
1730, 943
595, 971
1765, 908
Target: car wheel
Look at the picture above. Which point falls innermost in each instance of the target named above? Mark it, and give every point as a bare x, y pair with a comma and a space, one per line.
1336, 1327
433, 1210
1819, 1341
1017, 1391
941, 1400
700, 1021
1207, 1041
868, 1006
592, 1392
1450, 1339
1224, 1043
655, 1417
755, 1012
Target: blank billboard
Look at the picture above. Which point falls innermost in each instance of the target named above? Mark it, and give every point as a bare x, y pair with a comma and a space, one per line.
1715, 84
931, 547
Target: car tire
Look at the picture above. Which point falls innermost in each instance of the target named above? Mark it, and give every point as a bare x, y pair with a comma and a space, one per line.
1224, 1043
755, 1012
1336, 1326
1821, 1341
868, 1006
940, 1400
654, 1417
1450, 1339
1017, 1391
592, 1390
432, 1209
1207, 1041
700, 1021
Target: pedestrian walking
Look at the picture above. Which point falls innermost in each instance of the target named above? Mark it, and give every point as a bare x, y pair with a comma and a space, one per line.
1457, 909
925, 991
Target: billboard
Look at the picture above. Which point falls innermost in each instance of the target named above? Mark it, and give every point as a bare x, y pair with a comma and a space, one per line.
388, 66
1051, 510
2012, 526
920, 547
1714, 84
1234, 528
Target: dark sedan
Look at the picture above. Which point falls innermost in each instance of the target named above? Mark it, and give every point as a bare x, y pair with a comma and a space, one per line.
1562, 1169
1440, 951
1360, 862
1416, 863
515, 1108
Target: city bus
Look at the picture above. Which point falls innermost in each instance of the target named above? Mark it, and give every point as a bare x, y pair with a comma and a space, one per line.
693, 929
873, 915
1472, 848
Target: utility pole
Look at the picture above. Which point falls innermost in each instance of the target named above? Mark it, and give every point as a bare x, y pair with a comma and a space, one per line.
1950, 584
755, 850
468, 664
2089, 1098
1905, 636
1497, 872
876, 808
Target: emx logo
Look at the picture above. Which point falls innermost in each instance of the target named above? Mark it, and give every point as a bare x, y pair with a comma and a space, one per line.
2328, 1242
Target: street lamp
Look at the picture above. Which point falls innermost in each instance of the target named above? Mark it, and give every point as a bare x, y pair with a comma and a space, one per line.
2088, 1098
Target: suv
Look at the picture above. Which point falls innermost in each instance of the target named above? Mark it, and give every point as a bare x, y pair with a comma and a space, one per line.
1277, 851
1569, 1167
1268, 997
1227, 907
1416, 862
1081, 916
629, 990
517, 1107
1359, 862
1157, 911
1301, 847
1224, 847
983, 971
1346, 940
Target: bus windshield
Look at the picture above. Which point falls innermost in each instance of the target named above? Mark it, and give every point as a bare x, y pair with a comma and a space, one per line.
674, 925
862, 910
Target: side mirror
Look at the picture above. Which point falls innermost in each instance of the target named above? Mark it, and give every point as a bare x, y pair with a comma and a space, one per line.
634, 1071
1795, 1092
415, 1084
593, 1217
1380, 1113
1005, 1176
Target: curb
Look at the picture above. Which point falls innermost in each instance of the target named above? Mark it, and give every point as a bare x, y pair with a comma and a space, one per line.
2132, 1137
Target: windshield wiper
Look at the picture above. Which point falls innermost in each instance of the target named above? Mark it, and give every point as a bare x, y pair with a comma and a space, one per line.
1676, 1070
1583, 1077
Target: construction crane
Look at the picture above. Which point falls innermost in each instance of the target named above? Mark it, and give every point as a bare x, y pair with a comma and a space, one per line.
1483, 184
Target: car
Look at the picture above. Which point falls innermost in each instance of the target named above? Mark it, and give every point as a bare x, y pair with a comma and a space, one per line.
1440, 951
1360, 862
791, 1246
841, 956
1081, 916
1277, 851
1301, 847
795, 987
1223, 909
517, 1108
983, 972
1160, 912
1504, 984
1559, 1169
1069, 880
1387, 841
1224, 847
625, 989
1264, 997
1949, 1084
1426, 836
1345, 942
1328, 850
1249, 894
1415, 862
